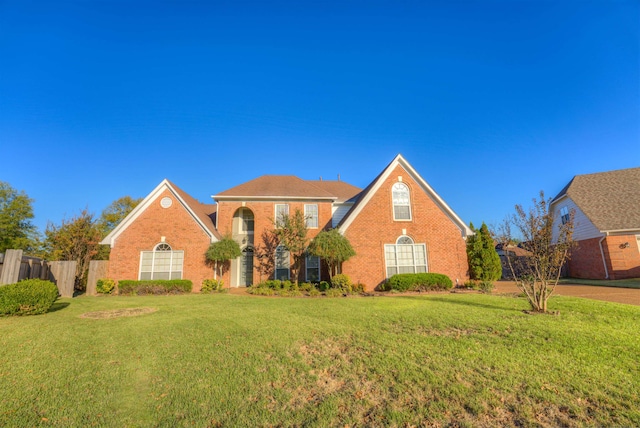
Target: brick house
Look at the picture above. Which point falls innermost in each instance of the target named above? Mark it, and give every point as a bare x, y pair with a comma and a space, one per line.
606, 223
396, 224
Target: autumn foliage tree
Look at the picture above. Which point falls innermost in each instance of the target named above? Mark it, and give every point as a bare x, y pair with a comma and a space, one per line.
291, 231
537, 273
333, 247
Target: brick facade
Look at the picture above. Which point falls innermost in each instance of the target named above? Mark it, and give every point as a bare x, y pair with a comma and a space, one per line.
374, 227
621, 253
180, 231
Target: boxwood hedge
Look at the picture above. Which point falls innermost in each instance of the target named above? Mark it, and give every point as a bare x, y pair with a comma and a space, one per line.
28, 297
418, 282
155, 286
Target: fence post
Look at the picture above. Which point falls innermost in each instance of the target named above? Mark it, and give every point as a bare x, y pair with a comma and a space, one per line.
64, 275
97, 270
11, 267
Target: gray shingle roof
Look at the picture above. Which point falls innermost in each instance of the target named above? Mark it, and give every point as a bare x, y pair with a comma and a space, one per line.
611, 200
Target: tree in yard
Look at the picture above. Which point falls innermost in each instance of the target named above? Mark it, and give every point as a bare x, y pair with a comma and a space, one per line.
75, 239
538, 272
16, 230
221, 252
484, 261
111, 217
332, 247
265, 254
291, 231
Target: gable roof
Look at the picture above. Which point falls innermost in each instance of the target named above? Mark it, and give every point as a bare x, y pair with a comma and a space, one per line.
285, 187
203, 214
372, 188
610, 200
341, 190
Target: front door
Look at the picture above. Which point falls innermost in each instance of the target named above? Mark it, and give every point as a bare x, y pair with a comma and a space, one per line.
246, 268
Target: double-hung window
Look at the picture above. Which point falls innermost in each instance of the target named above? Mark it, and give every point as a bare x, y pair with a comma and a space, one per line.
282, 263
161, 263
564, 215
311, 215
312, 264
405, 257
282, 210
401, 202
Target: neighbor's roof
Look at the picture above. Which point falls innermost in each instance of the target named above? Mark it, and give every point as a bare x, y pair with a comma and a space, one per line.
611, 200
288, 187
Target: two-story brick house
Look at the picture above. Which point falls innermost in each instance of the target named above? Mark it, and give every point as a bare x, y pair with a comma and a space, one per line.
397, 224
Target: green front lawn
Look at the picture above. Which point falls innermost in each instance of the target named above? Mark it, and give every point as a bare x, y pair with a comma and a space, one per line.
622, 283
225, 360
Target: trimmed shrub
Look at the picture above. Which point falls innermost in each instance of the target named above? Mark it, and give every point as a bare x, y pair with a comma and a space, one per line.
418, 282
323, 286
341, 281
155, 286
105, 286
212, 286
334, 292
28, 297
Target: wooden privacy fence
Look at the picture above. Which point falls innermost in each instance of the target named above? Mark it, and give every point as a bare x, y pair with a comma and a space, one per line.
15, 267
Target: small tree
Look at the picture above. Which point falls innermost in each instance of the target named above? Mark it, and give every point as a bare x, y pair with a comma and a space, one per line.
484, 261
221, 252
111, 217
333, 247
16, 229
291, 231
265, 254
538, 272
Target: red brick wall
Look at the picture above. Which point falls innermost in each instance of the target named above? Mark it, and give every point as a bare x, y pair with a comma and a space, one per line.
264, 213
374, 227
622, 261
180, 230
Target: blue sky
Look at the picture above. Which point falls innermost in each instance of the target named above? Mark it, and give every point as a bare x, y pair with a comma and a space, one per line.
490, 101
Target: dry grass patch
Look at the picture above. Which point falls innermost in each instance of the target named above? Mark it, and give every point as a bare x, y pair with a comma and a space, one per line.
117, 313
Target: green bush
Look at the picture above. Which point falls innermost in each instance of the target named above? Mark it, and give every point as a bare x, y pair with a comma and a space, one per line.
28, 297
306, 286
314, 292
212, 286
334, 292
155, 286
341, 281
105, 286
418, 282
358, 288
323, 286
258, 290
486, 287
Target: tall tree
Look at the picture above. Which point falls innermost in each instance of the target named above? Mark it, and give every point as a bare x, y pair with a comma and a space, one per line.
116, 212
537, 273
265, 254
221, 252
333, 247
484, 261
291, 231
76, 239
16, 229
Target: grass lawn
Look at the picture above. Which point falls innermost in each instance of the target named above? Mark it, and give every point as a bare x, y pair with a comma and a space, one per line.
225, 360
622, 283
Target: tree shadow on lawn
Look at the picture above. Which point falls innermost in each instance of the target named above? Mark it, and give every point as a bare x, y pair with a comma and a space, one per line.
58, 306
454, 301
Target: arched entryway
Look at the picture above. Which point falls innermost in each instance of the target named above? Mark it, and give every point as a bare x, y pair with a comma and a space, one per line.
242, 232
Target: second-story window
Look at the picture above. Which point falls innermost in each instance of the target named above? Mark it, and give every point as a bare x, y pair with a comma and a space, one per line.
401, 202
282, 210
564, 215
311, 215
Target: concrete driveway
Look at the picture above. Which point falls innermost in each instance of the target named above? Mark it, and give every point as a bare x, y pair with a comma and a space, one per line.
630, 296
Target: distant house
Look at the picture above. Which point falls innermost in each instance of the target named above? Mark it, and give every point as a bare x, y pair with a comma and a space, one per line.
514, 254
397, 224
607, 223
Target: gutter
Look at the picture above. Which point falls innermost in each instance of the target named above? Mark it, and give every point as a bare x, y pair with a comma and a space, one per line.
604, 261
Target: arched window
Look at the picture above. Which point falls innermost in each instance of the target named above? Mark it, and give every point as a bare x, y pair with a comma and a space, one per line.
401, 202
282, 263
405, 257
161, 263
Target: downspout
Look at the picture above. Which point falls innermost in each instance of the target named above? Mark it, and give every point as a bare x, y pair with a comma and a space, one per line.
604, 260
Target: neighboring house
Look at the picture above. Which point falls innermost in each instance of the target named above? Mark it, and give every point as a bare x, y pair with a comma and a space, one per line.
606, 223
397, 224
516, 255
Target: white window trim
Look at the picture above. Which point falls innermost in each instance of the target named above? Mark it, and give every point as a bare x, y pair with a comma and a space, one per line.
306, 216
564, 215
153, 253
282, 248
242, 222
306, 267
393, 204
276, 217
414, 265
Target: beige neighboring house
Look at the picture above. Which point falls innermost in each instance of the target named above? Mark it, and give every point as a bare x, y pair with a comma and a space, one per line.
607, 223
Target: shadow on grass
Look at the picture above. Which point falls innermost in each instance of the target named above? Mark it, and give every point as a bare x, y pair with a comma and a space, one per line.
58, 306
454, 301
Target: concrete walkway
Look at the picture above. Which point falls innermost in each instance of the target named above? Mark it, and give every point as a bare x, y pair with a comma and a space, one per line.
630, 296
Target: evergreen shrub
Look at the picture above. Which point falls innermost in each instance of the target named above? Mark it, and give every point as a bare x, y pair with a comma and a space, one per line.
155, 286
105, 286
28, 297
212, 286
418, 282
